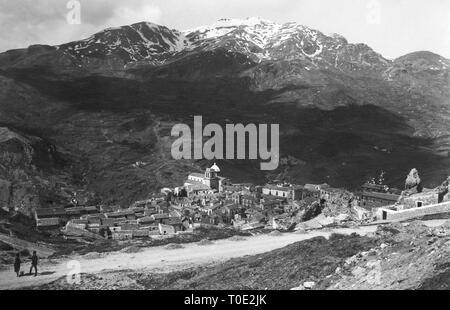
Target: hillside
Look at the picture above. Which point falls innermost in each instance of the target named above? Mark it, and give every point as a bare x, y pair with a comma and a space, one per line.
411, 257
106, 104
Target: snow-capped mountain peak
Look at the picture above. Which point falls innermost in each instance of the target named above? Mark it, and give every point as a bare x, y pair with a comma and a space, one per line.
255, 38
133, 43
265, 40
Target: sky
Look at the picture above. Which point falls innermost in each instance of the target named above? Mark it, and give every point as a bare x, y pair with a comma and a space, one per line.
391, 27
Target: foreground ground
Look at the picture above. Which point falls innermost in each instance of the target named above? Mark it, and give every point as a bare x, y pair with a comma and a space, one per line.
168, 258
394, 256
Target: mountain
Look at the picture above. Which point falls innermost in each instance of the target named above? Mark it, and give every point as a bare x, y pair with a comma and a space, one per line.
255, 38
129, 43
107, 103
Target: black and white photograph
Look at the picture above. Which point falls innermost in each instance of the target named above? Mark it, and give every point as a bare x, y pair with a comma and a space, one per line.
222, 150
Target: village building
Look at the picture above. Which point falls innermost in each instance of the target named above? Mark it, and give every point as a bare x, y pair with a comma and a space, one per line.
152, 210
140, 233
373, 196
399, 213
108, 222
372, 187
79, 222
203, 183
115, 228
425, 198
153, 229
161, 218
419, 200
419, 205
317, 191
122, 235
177, 224
295, 192
129, 226
179, 192
49, 223
249, 201
228, 212
235, 197
277, 191
272, 204
371, 200
310, 191
50, 213
146, 220
166, 229
210, 208
128, 214
76, 224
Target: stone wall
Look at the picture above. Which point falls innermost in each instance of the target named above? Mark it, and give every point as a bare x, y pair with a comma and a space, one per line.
406, 214
426, 198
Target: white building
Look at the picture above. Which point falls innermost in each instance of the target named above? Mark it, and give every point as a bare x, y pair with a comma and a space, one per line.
198, 182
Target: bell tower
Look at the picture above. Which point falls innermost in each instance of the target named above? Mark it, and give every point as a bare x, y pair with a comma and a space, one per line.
211, 178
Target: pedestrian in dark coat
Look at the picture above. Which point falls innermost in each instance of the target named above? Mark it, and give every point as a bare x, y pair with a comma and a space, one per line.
17, 263
34, 263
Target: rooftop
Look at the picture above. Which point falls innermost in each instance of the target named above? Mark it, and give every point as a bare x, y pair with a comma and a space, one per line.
215, 168
384, 196
278, 188
196, 174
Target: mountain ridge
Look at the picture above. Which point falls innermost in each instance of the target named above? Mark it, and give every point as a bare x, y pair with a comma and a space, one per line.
112, 50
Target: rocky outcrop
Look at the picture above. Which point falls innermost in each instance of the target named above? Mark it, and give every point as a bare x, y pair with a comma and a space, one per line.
414, 256
312, 211
413, 182
443, 190
24, 162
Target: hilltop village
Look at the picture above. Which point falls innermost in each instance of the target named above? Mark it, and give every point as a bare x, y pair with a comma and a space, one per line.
207, 199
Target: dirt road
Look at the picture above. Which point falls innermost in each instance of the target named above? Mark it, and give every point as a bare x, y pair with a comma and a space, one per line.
160, 259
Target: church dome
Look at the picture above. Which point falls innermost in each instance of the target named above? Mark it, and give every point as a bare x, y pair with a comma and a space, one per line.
215, 168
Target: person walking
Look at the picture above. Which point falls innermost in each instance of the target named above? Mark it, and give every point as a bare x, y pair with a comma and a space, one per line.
17, 263
34, 263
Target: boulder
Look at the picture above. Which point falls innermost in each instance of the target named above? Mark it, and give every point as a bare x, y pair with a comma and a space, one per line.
312, 211
361, 213
341, 218
299, 230
309, 285
443, 190
325, 221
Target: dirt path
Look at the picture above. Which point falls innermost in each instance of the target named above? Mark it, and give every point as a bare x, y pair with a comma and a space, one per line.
160, 259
